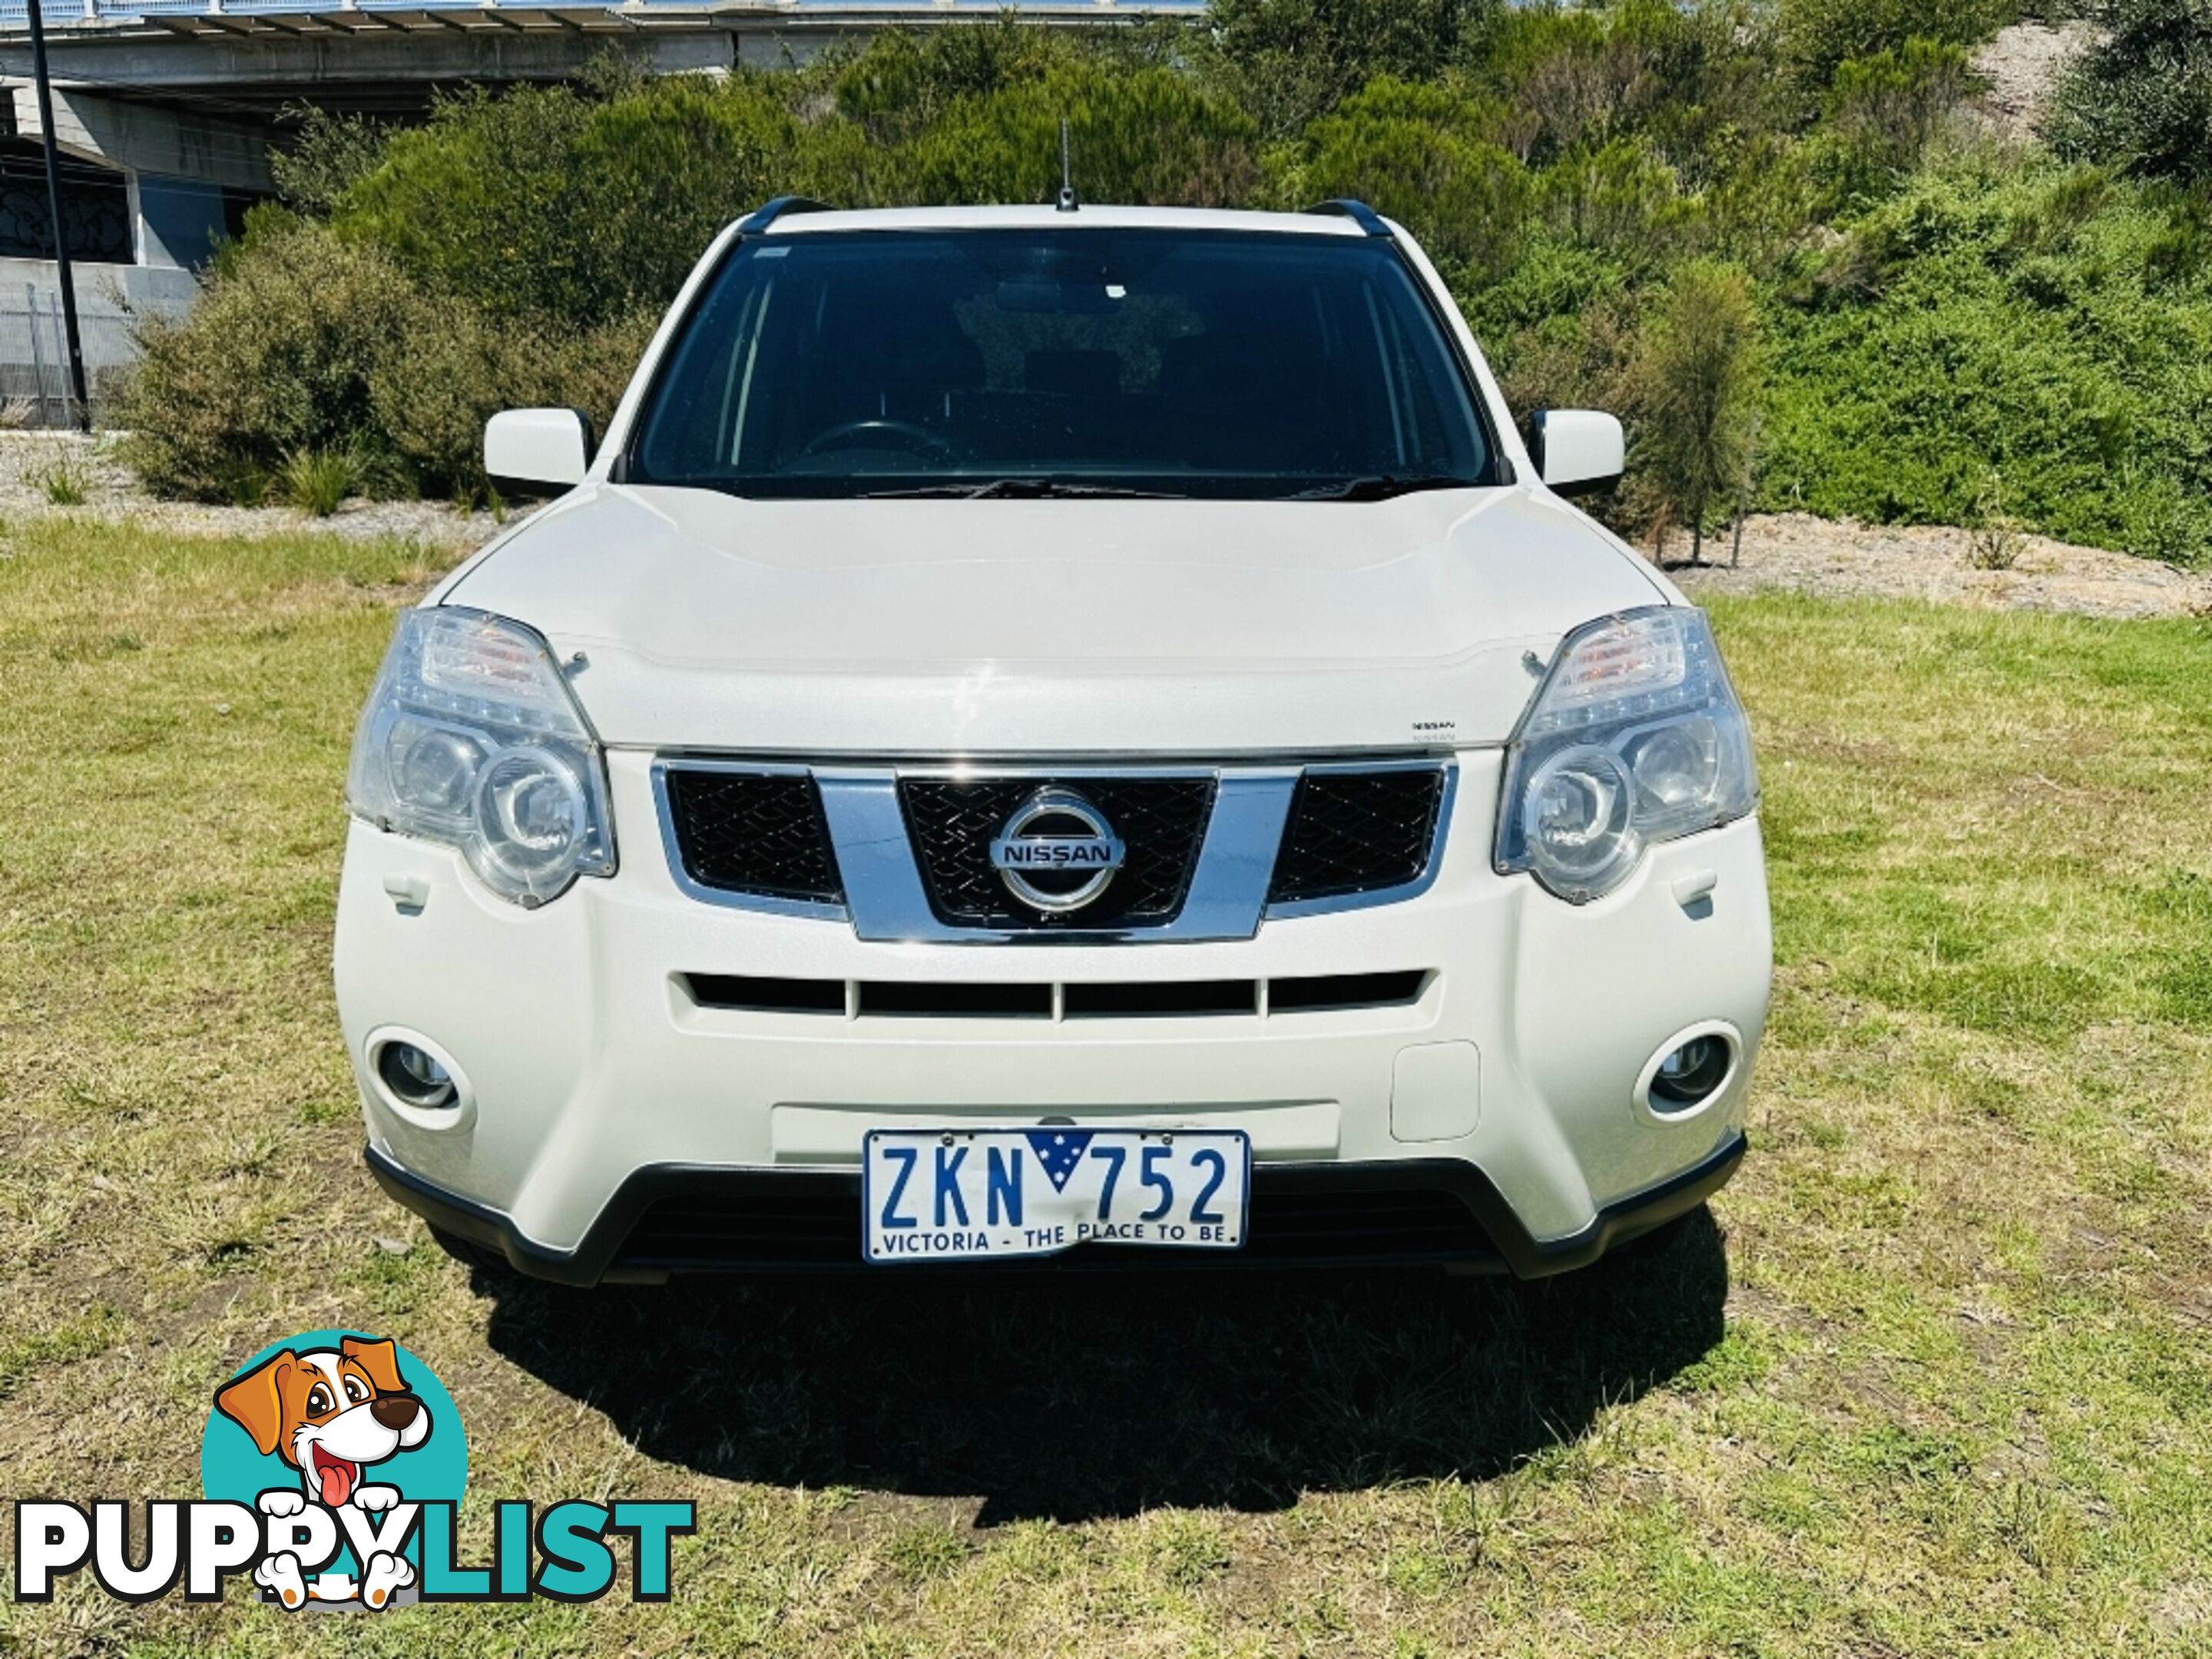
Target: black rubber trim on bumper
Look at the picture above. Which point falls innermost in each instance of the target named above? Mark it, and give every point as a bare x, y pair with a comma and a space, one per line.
1511, 1248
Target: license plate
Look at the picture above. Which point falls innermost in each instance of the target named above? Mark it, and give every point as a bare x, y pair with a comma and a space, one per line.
971, 1195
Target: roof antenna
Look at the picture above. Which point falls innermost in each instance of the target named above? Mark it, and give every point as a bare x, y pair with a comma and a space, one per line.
1067, 202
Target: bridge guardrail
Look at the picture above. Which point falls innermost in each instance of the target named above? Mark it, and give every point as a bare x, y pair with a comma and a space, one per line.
63, 17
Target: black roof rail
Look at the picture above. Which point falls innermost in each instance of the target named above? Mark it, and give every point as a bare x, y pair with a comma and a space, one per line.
1358, 212
761, 217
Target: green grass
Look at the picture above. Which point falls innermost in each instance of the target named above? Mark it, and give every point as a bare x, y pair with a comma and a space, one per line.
1935, 1376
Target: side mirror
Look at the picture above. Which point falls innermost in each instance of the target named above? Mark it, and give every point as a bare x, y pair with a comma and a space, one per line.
1577, 450
534, 447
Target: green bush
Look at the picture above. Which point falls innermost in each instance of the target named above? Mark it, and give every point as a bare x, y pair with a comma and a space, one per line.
308, 344
432, 393
1425, 156
1821, 36
276, 358
1622, 197
2141, 96
1882, 111
545, 200
1142, 135
1291, 61
1989, 324
1682, 76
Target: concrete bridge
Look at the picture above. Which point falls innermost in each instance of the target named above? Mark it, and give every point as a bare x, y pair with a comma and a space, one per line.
165, 112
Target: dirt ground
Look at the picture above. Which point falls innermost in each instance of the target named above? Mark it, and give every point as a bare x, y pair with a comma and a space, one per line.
2020, 67
1802, 554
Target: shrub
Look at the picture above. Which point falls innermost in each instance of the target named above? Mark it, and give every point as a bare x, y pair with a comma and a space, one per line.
1929, 319
2141, 97
275, 359
2072, 369
906, 79
1678, 75
1821, 36
1142, 135
1995, 540
329, 154
2182, 251
308, 348
1623, 198
317, 481
1883, 110
545, 200
1424, 157
1288, 62
1694, 386
431, 395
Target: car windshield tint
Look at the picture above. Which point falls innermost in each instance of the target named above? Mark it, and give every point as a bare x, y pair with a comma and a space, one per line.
1168, 363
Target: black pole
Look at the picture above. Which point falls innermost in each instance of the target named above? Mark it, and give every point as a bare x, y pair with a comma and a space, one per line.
54, 213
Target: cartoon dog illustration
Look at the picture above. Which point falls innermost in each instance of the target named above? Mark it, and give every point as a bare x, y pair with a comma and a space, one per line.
331, 1414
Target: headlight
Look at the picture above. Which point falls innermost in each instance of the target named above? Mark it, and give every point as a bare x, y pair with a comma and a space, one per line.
472, 738
1635, 737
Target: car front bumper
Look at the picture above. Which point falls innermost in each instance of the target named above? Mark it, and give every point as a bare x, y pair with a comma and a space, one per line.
613, 1123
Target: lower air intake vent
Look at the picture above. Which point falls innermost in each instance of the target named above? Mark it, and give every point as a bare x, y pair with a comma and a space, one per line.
931, 999
761, 833
1327, 992
1357, 832
760, 995
1165, 1000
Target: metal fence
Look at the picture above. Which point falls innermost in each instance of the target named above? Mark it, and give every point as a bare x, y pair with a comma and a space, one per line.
34, 381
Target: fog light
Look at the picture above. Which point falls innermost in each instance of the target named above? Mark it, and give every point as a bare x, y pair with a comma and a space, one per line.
416, 1078
1688, 1076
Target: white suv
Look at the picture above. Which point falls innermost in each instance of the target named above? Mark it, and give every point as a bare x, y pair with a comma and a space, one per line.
1040, 732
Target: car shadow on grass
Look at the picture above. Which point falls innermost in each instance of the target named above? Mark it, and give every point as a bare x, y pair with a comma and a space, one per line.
1080, 1397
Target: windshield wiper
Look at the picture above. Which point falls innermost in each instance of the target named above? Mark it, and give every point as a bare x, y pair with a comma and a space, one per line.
1380, 487
1026, 490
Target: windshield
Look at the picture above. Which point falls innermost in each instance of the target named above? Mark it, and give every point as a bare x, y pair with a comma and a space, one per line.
1239, 365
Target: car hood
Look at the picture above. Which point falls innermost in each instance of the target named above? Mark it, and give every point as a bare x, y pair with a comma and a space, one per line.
888, 628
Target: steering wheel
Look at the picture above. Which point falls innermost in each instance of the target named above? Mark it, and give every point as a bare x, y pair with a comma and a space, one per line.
911, 434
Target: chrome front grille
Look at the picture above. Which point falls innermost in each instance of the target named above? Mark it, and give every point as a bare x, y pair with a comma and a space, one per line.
951, 822
907, 853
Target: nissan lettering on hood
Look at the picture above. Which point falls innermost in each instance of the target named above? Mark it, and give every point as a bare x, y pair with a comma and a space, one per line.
1067, 739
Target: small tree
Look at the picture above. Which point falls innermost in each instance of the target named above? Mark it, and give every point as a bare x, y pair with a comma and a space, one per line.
1695, 390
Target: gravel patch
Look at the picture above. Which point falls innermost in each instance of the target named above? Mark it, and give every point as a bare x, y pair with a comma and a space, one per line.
30, 463
1806, 555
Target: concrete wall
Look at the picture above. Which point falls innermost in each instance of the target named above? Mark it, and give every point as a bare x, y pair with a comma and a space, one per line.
33, 375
